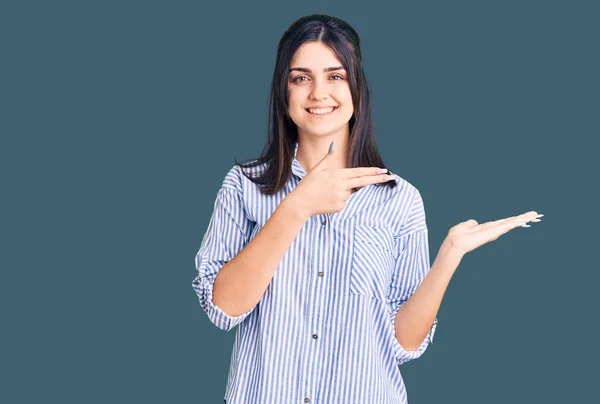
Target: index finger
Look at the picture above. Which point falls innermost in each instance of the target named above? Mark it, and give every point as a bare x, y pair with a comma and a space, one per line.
360, 172
365, 180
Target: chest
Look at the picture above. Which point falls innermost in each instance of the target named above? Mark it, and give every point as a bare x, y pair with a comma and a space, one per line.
344, 258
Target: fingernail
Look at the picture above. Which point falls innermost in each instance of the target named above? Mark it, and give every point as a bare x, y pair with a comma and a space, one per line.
540, 215
526, 225
331, 147
382, 171
536, 220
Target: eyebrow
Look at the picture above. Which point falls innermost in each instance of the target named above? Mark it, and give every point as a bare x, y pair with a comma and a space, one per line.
327, 69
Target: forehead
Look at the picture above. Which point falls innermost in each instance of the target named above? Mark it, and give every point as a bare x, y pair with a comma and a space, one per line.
315, 55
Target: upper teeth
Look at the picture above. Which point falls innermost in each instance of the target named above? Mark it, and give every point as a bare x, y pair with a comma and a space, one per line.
320, 111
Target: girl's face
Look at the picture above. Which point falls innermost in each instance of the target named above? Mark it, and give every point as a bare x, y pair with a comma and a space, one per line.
310, 86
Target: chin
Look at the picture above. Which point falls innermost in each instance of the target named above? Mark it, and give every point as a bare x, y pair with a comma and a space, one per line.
322, 131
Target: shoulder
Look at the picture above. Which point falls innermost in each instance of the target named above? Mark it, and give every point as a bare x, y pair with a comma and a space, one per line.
236, 178
404, 190
233, 179
238, 182
406, 205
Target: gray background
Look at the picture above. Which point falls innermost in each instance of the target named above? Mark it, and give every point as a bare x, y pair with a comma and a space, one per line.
119, 121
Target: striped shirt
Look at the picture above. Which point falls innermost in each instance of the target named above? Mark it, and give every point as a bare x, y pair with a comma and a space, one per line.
323, 332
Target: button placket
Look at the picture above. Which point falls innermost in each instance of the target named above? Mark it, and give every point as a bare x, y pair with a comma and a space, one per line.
324, 223
320, 273
315, 323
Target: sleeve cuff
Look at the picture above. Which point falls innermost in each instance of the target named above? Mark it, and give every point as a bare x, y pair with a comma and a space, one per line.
204, 290
217, 316
401, 354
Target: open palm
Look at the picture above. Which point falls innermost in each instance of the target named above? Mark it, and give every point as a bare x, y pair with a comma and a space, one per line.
467, 236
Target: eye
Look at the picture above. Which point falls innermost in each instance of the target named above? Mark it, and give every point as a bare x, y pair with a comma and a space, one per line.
299, 78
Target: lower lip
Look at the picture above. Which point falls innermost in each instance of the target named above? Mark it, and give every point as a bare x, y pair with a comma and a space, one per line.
322, 116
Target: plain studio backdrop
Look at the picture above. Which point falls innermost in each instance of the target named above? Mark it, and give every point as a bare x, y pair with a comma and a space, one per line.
120, 119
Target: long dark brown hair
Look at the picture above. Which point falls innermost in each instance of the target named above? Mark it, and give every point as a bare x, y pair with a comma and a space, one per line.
278, 151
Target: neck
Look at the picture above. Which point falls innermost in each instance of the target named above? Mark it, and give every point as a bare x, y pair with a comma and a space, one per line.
312, 149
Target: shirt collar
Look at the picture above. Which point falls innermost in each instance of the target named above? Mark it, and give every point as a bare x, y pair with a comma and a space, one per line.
296, 167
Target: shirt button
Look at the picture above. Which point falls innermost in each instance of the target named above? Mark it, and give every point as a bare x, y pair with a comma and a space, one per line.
324, 222
307, 400
314, 336
321, 274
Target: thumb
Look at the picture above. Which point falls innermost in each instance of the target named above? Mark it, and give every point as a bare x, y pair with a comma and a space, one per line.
323, 162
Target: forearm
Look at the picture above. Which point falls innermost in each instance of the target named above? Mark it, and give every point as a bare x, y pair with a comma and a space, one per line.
416, 316
241, 283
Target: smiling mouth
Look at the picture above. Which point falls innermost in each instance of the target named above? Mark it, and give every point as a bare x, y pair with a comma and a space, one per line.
322, 114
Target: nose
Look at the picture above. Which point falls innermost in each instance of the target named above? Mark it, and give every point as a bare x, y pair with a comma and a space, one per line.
319, 89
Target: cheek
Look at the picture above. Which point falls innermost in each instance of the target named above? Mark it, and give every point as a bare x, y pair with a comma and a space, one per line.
294, 100
294, 110
345, 97
347, 104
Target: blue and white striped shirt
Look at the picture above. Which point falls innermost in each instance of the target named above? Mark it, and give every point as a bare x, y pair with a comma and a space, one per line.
323, 332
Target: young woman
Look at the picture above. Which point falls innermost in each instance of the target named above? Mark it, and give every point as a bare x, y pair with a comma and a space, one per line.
317, 255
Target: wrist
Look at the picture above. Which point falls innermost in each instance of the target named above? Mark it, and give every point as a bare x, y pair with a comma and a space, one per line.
450, 254
293, 208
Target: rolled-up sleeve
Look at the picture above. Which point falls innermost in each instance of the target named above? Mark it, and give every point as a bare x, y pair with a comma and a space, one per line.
227, 234
412, 265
